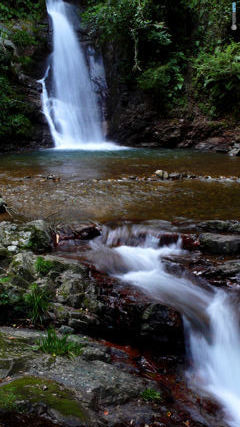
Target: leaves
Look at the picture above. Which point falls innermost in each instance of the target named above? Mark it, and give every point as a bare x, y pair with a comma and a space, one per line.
59, 346
130, 22
218, 75
37, 302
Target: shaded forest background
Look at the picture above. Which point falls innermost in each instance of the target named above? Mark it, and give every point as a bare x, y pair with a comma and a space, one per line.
181, 55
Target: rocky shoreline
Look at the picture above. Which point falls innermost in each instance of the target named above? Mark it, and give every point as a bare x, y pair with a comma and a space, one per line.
107, 380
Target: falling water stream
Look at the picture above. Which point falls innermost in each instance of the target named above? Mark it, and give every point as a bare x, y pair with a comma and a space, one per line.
210, 316
70, 104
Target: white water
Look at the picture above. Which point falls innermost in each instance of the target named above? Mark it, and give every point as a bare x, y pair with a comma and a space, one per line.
71, 106
211, 317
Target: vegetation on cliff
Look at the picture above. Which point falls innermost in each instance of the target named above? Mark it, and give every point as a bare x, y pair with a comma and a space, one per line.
173, 50
19, 39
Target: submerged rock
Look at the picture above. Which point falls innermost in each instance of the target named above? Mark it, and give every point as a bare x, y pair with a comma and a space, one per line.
162, 174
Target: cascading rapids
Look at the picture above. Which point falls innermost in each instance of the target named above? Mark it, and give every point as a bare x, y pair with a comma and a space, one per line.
70, 105
211, 315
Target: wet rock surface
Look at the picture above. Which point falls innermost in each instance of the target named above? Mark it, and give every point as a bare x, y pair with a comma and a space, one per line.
220, 243
135, 121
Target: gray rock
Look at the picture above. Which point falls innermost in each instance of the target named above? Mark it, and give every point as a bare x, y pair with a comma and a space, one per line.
60, 313
71, 291
95, 381
95, 353
65, 330
235, 150
21, 269
220, 243
2, 206
40, 239
175, 176
228, 268
162, 174
34, 235
220, 226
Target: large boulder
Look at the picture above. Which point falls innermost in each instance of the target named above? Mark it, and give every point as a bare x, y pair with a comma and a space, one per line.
33, 235
223, 244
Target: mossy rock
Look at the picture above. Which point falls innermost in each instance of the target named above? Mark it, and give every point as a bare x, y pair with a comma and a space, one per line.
33, 390
40, 239
33, 235
44, 266
14, 354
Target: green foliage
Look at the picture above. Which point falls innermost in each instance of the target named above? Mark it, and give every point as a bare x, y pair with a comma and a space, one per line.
23, 38
213, 20
59, 346
165, 80
9, 402
35, 390
43, 266
5, 279
4, 298
151, 395
37, 301
13, 121
129, 22
217, 76
20, 9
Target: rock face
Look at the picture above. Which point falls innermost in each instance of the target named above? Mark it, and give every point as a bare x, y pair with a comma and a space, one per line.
134, 120
220, 244
25, 64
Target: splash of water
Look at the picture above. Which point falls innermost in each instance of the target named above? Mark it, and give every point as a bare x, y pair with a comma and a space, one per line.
211, 318
71, 106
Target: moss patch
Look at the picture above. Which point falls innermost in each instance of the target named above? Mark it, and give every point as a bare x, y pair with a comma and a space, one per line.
5, 279
36, 390
44, 266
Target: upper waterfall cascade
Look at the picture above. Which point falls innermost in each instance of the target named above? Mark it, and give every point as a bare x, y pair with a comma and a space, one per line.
70, 104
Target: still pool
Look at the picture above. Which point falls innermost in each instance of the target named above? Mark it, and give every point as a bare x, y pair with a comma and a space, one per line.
91, 185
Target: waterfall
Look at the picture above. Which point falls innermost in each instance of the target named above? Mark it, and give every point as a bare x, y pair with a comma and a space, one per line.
70, 104
210, 315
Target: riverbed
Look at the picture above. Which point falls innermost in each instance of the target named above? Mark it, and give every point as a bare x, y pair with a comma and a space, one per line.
120, 185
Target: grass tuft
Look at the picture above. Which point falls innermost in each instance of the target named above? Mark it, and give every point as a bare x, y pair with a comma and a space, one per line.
59, 346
